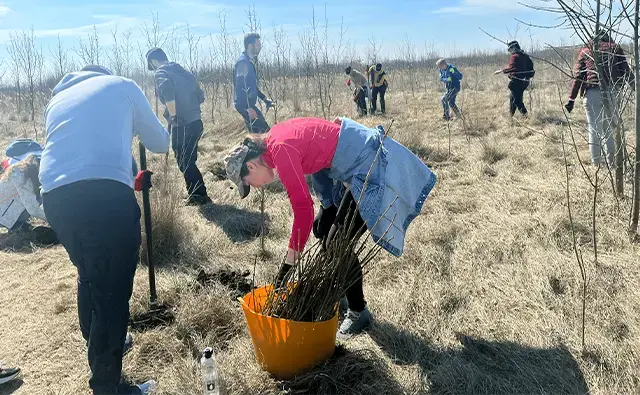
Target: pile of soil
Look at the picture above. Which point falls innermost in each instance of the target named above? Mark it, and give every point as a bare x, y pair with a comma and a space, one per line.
237, 282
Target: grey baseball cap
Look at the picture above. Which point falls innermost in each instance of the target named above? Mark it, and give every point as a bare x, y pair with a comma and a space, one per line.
233, 166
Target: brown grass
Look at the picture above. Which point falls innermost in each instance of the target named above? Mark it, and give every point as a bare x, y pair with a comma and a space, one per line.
485, 300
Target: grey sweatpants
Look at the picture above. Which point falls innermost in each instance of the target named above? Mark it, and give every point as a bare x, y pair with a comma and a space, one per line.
600, 128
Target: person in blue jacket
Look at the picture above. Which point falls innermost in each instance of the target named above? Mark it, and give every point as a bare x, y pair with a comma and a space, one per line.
245, 86
451, 77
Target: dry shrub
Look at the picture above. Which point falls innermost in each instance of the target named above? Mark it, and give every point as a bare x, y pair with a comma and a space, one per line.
492, 153
348, 372
208, 317
173, 238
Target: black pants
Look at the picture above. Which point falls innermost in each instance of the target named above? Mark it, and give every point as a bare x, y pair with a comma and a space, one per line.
184, 142
517, 88
381, 90
258, 125
360, 95
349, 216
98, 222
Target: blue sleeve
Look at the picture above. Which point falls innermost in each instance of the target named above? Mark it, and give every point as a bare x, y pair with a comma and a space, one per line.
164, 88
145, 123
323, 187
244, 85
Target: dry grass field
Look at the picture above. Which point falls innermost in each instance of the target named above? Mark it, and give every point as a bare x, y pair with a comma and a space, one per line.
485, 300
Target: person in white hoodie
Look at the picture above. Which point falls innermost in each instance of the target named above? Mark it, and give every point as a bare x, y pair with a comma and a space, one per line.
20, 193
88, 198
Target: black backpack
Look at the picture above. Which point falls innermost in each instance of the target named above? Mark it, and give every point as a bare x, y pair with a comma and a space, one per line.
528, 71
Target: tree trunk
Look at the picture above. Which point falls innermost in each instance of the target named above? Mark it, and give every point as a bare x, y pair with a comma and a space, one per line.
636, 174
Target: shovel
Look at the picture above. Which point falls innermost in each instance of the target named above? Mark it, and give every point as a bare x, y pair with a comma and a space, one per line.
159, 313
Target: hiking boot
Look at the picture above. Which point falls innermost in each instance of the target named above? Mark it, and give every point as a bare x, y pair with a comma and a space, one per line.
198, 200
8, 374
446, 118
354, 323
148, 387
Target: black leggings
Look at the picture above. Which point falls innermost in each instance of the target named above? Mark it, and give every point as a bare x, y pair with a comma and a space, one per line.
517, 88
349, 216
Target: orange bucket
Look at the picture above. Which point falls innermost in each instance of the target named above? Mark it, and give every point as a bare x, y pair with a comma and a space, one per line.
287, 348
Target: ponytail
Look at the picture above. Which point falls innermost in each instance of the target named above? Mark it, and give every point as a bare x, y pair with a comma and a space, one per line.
257, 146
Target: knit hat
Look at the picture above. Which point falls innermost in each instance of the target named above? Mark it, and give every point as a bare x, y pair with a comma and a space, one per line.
155, 54
513, 44
347, 70
233, 166
97, 69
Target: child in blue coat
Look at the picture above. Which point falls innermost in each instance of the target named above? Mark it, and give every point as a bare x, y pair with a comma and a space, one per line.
451, 77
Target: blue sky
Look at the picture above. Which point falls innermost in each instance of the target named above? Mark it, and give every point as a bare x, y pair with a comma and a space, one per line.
447, 26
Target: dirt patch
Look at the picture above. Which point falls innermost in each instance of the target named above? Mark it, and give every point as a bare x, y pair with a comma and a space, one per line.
237, 282
218, 171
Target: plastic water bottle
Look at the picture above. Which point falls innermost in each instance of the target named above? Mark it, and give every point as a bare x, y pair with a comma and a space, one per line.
209, 372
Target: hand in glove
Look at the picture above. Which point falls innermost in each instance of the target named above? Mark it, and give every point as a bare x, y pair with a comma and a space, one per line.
143, 180
282, 274
569, 106
323, 221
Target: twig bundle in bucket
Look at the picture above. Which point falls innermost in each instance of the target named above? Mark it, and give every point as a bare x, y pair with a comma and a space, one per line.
320, 278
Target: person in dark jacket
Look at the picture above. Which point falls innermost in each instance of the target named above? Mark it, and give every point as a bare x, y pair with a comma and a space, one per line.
379, 84
179, 91
451, 77
587, 83
245, 86
520, 72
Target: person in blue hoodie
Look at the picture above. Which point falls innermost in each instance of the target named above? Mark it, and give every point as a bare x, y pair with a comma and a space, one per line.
179, 91
245, 86
89, 201
451, 77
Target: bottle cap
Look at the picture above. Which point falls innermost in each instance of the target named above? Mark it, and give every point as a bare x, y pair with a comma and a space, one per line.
208, 352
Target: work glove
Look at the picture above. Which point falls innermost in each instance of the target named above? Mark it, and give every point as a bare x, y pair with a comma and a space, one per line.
282, 275
569, 106
268, 104
143, 180
323, 221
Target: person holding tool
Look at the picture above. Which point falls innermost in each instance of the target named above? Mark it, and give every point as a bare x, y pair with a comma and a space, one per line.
245, 86
349, 163
361, 85
520, 72
89, 201
179, 91
378, 80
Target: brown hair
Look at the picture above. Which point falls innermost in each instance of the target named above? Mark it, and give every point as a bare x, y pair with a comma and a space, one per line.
250, 38
30, 167
257, 146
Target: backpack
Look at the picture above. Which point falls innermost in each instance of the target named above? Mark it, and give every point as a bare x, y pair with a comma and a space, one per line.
21, 147
529, 71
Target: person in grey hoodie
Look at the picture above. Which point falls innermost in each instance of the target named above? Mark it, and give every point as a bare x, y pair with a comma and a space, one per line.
179, 91
89, 201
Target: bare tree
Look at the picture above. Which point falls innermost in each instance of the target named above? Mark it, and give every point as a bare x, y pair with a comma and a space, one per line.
116, 54
227, 45
89, 51
193, 51
60, 60
31, 63
636, 175
373, 49
16, 66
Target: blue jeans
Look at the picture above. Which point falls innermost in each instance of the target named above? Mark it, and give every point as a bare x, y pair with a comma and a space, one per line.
258, 125
184, 142
98, 223
449, 101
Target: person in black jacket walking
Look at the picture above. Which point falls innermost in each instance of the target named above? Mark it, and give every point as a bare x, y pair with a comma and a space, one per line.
179, 91
245, 86
520, 72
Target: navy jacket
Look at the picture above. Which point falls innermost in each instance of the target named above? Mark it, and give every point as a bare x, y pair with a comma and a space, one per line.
245, 84
175, 83
451, 77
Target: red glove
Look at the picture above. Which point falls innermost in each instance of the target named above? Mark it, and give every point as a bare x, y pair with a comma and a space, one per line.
349, 82
143, 180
